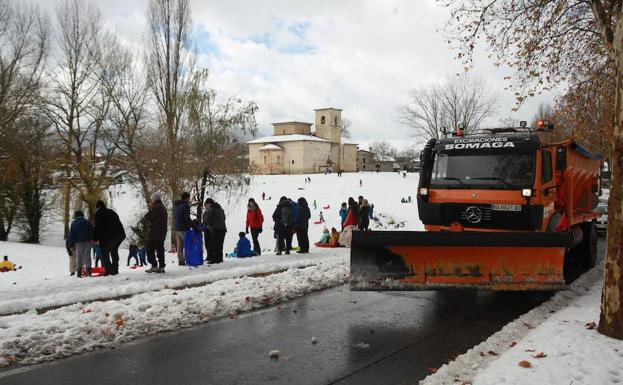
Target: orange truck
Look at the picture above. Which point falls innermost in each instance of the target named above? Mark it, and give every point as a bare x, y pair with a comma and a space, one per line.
506, 209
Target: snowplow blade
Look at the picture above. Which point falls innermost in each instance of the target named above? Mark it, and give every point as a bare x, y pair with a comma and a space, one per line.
418, 260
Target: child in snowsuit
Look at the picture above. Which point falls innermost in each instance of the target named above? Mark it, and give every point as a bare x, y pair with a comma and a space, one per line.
324, 238
193, 245
343, 213
6, 265
243, 247
142, 254
321, 220
79, 241
335, 236
133, 253
97, 253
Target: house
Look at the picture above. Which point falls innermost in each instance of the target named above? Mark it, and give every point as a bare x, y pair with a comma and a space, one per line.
294, 149
370, 161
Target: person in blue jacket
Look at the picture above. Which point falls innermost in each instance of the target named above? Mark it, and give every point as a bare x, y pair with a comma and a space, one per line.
243, 248
79, 242
193, 245
343, 213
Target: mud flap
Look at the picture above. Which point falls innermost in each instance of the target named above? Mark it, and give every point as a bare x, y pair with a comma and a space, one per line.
417, 260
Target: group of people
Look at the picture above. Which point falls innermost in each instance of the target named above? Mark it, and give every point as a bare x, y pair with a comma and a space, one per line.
106, 232
190, 236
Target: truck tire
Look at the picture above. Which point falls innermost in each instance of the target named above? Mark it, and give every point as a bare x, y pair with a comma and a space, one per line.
588, 247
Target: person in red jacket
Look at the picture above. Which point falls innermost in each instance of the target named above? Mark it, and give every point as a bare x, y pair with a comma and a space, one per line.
255, 219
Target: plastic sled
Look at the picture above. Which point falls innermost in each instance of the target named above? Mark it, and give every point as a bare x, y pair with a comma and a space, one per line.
317, 222
324, 245
98, 272
326, 207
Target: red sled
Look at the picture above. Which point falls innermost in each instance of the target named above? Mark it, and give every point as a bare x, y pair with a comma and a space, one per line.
326, 207
324, 245
98, 272
317, 222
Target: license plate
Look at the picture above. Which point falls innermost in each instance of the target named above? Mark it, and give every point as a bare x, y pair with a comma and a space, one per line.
498, 207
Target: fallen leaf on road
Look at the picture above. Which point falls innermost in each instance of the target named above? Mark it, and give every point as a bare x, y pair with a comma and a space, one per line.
530, 350
482, 354
528, 325
432, 370
525, 364
492, 353
119, 322
87, 310
540, 355
513, 343
591, 325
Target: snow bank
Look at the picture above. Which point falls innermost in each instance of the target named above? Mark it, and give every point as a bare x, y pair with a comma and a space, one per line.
553, 339
30, 338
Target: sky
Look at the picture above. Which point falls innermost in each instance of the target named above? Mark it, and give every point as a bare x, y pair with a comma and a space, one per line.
291, 57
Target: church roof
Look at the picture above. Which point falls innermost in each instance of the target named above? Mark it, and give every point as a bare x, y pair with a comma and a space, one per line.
270, 147
287, 138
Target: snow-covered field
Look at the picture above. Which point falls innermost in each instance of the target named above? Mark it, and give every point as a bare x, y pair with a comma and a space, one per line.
47, 314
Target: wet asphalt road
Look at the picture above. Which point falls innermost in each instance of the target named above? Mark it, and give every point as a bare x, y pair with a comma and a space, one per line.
363, 338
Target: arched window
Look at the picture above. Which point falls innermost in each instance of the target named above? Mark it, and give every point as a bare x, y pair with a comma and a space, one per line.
335, 121
322, 120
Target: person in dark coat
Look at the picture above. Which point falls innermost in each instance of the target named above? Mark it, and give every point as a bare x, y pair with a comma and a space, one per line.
206, 231
353, 208
109, 234
255, 221
302, 226
215, 222
181, 217
364, 216
283, 224
155, 222
79, 242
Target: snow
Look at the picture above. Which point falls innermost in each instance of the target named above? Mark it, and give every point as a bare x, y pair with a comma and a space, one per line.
46, 314
556, 339
270, 147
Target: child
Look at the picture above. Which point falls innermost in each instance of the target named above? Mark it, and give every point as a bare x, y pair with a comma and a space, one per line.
315, 205
79, 241
324, 238
193, 244
243, 248
335, 236
142, 254
133, 253
6, 265
321, 218
343, 213
97, 253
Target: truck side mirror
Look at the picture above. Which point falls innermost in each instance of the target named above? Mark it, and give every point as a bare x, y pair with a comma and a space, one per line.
561, 158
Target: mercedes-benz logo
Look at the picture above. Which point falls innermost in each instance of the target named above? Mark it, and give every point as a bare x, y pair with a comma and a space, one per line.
473, 214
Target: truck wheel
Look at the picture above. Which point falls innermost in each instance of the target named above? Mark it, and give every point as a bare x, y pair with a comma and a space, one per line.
588, 247
571, 268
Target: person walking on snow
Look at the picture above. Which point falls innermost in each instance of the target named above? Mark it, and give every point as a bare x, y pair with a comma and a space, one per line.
302, 226
79, 242
181, 216
321, 219
263, 196
133, 252
109, 234
360, 183
255, 220
215, 222
155, 222
315, 205
283, 224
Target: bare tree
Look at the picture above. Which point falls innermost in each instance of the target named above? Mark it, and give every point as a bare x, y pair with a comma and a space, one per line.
77, 104
463, 102
383, 150
216, 133
170, 67
544, 111
346, 123
549, 42
24, 43
124, 81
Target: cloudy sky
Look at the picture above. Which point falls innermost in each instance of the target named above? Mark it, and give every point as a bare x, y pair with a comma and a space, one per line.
292, 56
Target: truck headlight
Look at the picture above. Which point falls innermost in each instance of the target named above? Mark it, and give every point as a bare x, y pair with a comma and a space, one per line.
526, 192
423, 191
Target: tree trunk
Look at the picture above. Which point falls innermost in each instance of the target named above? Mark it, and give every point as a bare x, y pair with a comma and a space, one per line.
611, 318
66, 207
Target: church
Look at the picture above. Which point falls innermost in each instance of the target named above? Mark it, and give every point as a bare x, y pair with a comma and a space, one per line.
294, 149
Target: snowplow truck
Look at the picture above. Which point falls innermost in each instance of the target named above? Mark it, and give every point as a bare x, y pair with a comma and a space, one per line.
503, 210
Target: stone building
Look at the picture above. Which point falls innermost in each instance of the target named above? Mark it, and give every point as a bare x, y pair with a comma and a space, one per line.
370, 161
294, 149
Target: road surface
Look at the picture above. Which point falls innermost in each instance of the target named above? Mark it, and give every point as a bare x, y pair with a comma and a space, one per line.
362, 338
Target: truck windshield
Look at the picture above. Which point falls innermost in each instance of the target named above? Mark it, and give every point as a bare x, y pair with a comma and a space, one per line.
500, 172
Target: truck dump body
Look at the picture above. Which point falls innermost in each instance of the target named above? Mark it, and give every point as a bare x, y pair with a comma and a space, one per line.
502, 212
